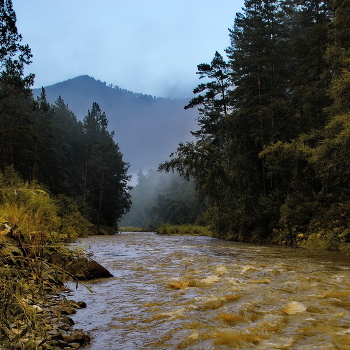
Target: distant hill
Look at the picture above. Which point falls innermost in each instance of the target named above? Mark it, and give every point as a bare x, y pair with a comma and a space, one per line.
146, 128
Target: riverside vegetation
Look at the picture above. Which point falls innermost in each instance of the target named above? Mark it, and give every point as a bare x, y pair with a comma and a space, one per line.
195, 230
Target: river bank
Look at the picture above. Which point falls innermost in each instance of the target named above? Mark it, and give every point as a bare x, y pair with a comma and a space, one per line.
35, 308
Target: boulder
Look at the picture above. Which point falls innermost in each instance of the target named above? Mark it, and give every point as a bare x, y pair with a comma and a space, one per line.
80, 268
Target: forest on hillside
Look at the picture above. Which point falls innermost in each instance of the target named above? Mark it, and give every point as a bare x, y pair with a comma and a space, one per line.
43, 147
271, 157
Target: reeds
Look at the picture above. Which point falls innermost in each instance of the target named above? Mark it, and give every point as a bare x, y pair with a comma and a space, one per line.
21, 324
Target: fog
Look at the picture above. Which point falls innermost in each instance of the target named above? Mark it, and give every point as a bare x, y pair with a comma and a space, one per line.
160, 198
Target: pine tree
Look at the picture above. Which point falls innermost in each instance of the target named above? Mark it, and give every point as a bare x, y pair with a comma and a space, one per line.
105, 173
13, 55
44, 149
331, 156
258, 59
214, 103
16, 108
309, 39
69, 143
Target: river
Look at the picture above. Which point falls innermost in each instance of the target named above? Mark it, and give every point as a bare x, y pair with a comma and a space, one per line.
200, 293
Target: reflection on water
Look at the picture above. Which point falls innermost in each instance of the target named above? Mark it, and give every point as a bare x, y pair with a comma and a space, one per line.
186, 292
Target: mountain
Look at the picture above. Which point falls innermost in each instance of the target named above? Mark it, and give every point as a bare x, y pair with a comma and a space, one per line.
146, 128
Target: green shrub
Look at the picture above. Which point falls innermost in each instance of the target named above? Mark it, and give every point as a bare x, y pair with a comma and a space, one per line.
72, 223
323, 240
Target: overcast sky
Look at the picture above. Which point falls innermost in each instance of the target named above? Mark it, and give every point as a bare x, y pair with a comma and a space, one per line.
147, 46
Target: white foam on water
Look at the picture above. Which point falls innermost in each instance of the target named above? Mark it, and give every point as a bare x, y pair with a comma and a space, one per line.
234, 280
221, 270
174, 314
281, 343
194, 335
210, 279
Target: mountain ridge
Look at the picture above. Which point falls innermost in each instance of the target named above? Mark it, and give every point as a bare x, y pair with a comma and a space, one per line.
147, 128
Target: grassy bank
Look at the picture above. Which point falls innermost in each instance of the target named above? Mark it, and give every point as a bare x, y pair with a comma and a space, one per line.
196, 230
325, 241
33, 227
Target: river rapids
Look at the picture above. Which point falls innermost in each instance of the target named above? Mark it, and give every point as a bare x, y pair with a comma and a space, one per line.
200, 293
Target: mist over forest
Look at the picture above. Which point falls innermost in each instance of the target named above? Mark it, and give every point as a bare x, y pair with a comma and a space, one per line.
146, 128
160, 198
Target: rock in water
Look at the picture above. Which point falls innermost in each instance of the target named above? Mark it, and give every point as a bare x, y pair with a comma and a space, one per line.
80, 268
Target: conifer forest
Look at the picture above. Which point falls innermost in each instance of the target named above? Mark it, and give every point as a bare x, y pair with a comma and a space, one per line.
271, 154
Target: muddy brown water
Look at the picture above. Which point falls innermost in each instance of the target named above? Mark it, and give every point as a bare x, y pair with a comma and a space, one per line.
199, 293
